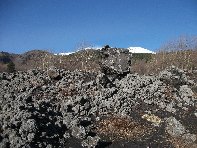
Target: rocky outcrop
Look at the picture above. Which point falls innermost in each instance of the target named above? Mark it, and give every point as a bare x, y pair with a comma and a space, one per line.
58, 108
115, 62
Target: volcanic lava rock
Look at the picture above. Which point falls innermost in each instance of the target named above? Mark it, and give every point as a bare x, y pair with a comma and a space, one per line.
190, 138
115, 61
54, 73
174, 76
78, 132
63, 108
91, 141
174, 127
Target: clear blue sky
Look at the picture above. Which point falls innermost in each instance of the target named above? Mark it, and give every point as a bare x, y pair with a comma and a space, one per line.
60, 25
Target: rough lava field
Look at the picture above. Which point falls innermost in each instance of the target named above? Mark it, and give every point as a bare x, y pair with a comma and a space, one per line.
114, 108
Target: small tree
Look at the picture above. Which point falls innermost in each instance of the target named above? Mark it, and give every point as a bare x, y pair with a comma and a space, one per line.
11, 67
183, 42
106, 47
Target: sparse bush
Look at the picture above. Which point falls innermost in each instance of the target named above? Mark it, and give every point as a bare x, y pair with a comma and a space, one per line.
106, 46
3, 67
122, 128
11, 67
181, 53
141, 56
184, 59
183, 42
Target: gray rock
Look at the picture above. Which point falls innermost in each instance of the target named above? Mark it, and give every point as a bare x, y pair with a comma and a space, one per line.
186, 93
173, 76
190, 138
32, 101
4, 143
78, 132
195, 114
116, 60
90, 142
170, 107
29, 126
66, 135
174, 127
162, 105
49, 146
30, 136
54, 73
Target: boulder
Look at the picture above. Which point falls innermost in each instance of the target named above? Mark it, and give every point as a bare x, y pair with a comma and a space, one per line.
115, 61
78, 132
174, 127
90, 142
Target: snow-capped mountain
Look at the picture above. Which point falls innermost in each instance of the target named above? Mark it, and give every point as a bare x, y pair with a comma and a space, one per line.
95, 48
131, 49
87, 48
64, 53
139, 50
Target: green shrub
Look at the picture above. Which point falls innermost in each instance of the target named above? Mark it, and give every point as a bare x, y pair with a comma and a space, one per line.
11, 67
141, 56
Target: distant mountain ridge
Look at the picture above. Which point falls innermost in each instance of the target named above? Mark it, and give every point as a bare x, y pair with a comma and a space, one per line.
88, 58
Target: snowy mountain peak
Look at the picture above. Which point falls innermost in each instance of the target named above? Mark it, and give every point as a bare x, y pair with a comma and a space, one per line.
87, 48
64, 53
94, 48
139, 50
131, 49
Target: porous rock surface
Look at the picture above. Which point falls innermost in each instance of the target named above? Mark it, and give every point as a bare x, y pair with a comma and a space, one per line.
58, 108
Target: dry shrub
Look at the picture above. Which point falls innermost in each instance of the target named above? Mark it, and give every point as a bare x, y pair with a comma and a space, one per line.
184, 59
84, 60
3, 67
121, 128
141, 67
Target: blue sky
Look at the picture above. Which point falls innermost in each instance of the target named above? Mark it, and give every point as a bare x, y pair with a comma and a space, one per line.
61, 25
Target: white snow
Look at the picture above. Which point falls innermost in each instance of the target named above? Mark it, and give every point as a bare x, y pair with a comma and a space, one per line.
95, 48
68, 53
63, 53
139, 50
131, 49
